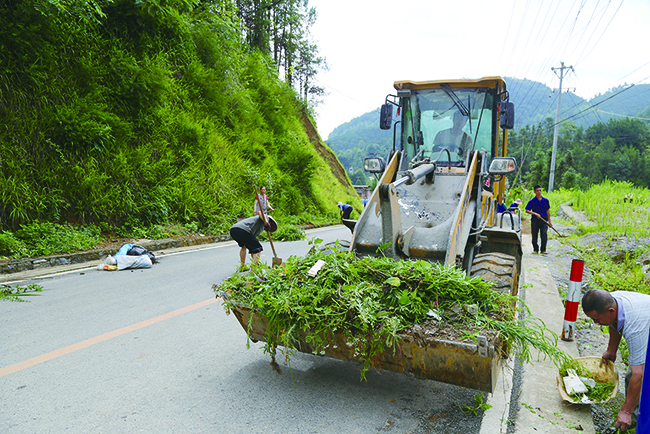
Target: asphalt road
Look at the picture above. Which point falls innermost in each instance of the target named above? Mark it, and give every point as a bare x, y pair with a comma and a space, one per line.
151, 351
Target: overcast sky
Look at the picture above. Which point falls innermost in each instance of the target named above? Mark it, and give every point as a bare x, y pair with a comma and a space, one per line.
369, 44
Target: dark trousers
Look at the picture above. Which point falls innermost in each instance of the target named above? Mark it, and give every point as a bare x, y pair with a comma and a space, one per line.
537, 226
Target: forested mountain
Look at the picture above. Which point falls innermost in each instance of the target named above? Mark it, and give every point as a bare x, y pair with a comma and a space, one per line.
135, 112
617, 150
535, 108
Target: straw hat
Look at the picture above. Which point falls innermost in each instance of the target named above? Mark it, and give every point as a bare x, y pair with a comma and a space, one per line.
272, 222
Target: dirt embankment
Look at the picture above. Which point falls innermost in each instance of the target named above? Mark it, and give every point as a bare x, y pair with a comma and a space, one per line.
328, 155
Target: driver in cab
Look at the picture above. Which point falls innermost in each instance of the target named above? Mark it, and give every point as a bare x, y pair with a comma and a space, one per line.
454, 138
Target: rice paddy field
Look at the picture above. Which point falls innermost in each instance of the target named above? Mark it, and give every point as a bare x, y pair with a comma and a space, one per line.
620, 216
618, 208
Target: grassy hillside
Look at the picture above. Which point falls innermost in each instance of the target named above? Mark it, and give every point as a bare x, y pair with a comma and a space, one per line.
127, 114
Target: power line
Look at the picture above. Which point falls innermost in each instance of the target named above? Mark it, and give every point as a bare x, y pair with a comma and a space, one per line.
573, 25
648, 63
606, 27
600, 102
503, 49
626, 116
587, 26
345, 95
557, 42
563, 37
594, 105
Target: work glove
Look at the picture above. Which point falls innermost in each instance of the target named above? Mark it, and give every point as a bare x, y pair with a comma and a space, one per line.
267, 227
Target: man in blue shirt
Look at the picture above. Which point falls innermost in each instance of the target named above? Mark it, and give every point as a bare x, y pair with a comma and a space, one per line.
538, 207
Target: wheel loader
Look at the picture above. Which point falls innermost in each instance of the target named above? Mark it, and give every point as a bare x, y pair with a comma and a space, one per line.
437, 199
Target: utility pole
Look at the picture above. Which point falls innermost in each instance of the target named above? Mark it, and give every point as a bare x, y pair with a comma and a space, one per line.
551, 177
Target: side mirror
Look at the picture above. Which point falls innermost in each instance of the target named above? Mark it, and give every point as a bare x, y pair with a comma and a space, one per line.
374, 165
386, 118
502, 166
507, 115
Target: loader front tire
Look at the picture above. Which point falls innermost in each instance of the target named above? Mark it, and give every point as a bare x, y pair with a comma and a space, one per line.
498, 268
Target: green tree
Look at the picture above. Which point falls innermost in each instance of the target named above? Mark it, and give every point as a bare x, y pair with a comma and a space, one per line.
620, 169
281, 28
359, 177
539, 169
625, 132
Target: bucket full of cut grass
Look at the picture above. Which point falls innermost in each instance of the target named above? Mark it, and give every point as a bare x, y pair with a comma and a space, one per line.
587, 380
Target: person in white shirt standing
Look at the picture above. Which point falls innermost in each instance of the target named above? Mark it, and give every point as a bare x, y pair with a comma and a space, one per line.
264, 200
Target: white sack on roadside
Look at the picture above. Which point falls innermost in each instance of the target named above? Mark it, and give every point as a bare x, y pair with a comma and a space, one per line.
128, 261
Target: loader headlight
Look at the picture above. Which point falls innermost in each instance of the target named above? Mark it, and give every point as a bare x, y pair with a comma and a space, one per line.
374, 164
502, 166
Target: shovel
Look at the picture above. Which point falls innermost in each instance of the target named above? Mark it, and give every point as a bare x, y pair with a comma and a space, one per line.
558, 234
276, 261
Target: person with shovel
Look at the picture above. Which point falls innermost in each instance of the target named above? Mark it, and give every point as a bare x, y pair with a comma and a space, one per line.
245, 232
540, 220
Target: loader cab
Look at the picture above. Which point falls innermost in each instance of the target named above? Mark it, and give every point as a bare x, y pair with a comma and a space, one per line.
444, 130
444, 122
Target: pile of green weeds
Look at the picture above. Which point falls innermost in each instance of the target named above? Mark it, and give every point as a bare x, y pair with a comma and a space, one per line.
600, 392
372, 299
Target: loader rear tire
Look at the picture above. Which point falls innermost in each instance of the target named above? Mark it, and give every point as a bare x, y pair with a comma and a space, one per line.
498, 268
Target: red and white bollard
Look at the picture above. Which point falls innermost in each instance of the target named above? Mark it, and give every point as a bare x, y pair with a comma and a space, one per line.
572, 299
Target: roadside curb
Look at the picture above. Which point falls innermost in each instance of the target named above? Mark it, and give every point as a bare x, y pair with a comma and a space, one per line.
29, 264
527, 400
